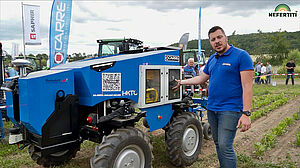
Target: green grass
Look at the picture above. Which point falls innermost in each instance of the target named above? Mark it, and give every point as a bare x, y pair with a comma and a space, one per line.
246, 161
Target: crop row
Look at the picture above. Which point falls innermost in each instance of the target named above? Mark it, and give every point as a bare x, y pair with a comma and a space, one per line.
264, 100
269, 139
259, 113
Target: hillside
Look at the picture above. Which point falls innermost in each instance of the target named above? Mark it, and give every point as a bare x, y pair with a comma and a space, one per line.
254, 43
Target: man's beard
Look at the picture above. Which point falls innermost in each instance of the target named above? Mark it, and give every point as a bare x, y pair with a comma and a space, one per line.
222, 51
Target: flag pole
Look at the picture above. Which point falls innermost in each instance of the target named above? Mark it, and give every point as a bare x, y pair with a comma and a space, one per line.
199, 38
23, 30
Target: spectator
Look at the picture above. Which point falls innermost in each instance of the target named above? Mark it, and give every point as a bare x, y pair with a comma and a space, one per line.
263, 73
290, 66
189, 70
269, 72
257, 72
13, 71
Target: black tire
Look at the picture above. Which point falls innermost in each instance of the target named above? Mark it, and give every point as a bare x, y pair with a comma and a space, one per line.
181, 150
207, 131
145, 123
121, 146
55, 159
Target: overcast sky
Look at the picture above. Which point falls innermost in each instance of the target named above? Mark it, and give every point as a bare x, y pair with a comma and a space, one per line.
157, 23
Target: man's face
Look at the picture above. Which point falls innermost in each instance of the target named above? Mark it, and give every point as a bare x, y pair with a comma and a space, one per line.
218, 41
190, 63
291, 61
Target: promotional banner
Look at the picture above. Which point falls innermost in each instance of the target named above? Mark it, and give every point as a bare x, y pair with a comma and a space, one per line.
31, 24
59, 31
183, 42
14, 50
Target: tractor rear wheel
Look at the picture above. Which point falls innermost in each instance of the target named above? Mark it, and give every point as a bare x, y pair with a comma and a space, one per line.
54, 159
207, 131
126, 147
183, 139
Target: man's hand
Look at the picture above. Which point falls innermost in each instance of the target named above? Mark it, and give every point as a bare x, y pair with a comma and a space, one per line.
245, 121
177, 87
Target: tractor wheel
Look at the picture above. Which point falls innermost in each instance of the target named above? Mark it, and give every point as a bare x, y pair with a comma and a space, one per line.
183, 139
123, 148
207, 131
54, 159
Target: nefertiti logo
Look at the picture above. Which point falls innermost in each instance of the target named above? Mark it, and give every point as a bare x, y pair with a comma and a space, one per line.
282, 7
283, 10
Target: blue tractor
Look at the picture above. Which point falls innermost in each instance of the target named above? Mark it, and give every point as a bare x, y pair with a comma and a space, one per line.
101, 100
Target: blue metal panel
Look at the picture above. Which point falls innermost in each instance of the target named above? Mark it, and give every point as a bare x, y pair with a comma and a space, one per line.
88, 83
153, 113
37, 97
37, 91
9, 105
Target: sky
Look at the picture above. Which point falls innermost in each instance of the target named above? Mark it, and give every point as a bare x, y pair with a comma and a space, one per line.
156, 23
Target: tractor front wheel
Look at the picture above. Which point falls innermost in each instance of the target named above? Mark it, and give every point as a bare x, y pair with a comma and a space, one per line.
123, 148
183, 139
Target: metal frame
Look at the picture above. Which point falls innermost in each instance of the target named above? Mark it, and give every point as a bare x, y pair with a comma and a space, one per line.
164, 85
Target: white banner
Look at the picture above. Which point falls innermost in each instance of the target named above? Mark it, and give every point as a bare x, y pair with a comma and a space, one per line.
14, 50
32, 24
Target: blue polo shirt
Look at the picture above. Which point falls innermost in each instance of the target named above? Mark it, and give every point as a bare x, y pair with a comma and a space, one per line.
225, 86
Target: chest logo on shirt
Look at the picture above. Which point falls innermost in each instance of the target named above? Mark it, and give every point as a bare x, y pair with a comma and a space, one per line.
226, 64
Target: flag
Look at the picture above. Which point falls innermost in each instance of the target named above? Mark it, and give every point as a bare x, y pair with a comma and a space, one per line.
31, 24
14, 50
200, 55
184, 41
59, 31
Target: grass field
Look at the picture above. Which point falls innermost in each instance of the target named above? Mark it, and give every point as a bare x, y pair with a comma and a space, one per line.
11, 157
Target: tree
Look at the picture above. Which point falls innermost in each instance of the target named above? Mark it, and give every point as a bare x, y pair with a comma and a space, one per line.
233, 39
279, 47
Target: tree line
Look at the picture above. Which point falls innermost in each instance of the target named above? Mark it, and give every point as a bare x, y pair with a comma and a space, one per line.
274, 47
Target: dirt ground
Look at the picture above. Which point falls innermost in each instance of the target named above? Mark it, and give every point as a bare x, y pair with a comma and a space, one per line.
244, 140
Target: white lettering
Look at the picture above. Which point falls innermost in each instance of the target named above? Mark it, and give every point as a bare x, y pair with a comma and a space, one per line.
59, 26
129, 93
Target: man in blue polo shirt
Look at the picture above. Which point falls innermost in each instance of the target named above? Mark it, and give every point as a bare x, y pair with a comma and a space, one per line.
230, 73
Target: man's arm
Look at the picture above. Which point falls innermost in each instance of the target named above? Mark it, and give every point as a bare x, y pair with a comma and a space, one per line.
246, 78
192, 81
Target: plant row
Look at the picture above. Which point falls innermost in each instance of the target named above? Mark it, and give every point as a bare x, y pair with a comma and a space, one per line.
269, 139
259, 113
264, 100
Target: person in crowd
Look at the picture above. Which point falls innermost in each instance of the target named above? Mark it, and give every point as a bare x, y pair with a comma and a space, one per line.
257, 72
230, 74
13, 71
269, 73
189, 69
263, 71
290, 66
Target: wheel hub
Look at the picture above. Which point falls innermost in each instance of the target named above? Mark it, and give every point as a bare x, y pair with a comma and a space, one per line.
130, 157
190, 140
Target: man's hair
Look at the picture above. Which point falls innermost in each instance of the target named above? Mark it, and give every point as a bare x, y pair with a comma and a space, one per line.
191, 59
215, 28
